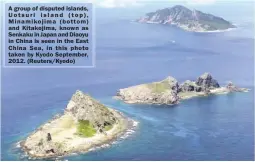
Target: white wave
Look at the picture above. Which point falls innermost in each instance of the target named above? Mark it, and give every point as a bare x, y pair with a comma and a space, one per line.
92, 149
73, 154
217, 31
115, 142
105, 145
131, 130
135, 123
18, 145
124, 136
100, 147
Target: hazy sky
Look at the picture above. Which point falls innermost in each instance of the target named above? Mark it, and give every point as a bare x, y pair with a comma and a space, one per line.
238, 10
233, 10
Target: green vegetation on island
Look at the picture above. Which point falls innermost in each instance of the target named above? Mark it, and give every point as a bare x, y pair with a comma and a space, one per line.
191, 20
85, 129
159, 87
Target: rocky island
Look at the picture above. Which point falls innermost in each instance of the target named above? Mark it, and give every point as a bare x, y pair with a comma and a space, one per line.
169, 91
190, 20
85, 123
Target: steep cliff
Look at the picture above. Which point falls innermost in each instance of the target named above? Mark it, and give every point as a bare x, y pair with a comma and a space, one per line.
84, 107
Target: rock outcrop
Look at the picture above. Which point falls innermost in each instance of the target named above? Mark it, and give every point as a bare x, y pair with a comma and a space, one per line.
191, 20
168, 91
172, 83
207, 82
189, 86
86, 123
232, 88
84, 107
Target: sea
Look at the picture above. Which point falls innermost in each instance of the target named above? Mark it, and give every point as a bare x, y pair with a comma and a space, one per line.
128, 53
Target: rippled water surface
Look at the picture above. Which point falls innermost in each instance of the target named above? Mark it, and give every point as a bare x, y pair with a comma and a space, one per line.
210, 128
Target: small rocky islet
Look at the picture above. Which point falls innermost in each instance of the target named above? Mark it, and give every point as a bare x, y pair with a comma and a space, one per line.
169, 91
85, 124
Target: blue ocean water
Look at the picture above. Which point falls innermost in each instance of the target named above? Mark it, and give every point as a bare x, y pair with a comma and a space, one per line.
128, 53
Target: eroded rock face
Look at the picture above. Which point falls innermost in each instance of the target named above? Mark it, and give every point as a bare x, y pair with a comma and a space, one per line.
44, 146
84, 107
172, 83
232, 88
48, 137
170, 97
198, 89
203, 84
207, 82
188, 86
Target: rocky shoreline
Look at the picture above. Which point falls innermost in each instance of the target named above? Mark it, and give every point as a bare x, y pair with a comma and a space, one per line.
202, 30
170, 92
58, 137
195, 30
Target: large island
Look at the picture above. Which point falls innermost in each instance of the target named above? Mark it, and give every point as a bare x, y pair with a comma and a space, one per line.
86, 123
184, 18
169, 91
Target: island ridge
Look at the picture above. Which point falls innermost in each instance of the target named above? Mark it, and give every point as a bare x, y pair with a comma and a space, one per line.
168, 91
184, 18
